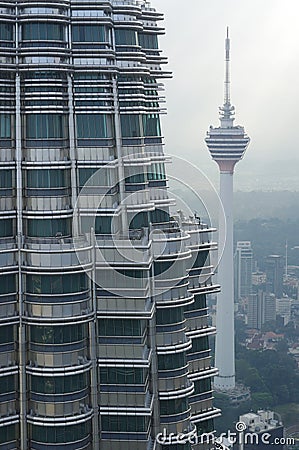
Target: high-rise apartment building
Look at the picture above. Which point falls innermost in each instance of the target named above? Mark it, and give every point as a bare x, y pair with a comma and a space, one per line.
243, 269
104, 335
261, 308
274, 267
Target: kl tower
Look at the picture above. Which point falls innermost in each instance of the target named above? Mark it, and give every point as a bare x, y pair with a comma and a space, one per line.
227, 145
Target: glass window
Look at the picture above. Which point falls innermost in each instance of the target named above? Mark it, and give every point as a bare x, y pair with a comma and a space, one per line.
175, 406
200, 259
46, 126
7, 384
43, 31
6, 31
59, 385
89, 33
103, 225
151, 125
122, 375
130, 125
58, 335
6, 228
140, 220
94, 126
56, 284
125, 37
8, 433
6, 334
159, 216
169, 315
48, 178
172, 361
202, 386
49, 227
62, 434
125, 423
157, 172
5, 179
7, 282
121, 327
199, 303
148, 40
200, 344
5, 126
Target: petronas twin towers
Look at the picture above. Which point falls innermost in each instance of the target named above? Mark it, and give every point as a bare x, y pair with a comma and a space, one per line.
104, 333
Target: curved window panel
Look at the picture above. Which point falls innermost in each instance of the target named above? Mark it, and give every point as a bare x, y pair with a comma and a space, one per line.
8, 384
159, 216
199, 303
125, 423
43, 31
59, 385
7, 334
200, 344
202, 386
121, 327
122, 375
139, 221
130, 125
103, 225
157, 172
8, 433
49, 227
7, 282
5, 126
92, 126
151, 125
172, 361
56, 284
6, 228
125, 37
60, 435
89, 33
149, 41
48, 178
169, 315
5, 179
46, 126
58, 335
175, 406
6, 31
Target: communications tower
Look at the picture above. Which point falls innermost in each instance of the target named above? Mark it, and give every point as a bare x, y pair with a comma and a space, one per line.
227, 145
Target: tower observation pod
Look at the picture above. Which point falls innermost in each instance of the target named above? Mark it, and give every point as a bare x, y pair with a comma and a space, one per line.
227, 145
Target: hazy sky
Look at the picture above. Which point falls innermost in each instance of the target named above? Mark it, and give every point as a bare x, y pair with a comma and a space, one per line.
265, 83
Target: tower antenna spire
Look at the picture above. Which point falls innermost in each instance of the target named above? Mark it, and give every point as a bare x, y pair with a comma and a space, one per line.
227, 110
227, 69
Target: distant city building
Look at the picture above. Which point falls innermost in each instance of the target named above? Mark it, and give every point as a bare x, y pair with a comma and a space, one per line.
262, 431
243, 261
258, 278
261, 309
227, 145
283, 309
274, 267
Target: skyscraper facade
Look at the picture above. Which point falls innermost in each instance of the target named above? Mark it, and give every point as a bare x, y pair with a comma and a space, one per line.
104, 334
243, 269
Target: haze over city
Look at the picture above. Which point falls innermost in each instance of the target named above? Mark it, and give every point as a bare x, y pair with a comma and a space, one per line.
265, 70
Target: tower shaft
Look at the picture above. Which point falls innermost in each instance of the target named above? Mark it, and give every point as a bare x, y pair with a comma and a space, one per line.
224, 355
